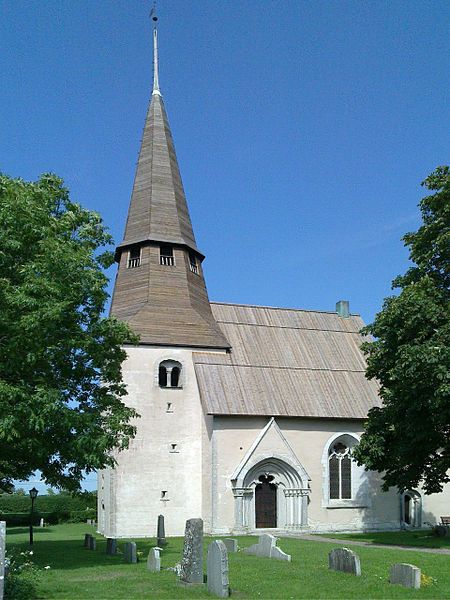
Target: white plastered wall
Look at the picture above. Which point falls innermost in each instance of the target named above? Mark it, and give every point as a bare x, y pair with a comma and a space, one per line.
234, 436
150, 466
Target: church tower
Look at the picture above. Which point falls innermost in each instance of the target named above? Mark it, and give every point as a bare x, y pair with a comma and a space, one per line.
160, 292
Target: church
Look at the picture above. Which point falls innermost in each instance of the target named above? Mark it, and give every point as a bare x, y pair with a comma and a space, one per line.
248, 414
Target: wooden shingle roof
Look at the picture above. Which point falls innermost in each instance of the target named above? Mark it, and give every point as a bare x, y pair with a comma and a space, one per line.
286, 362
158, 209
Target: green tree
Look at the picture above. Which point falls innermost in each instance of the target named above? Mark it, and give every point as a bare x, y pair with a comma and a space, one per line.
408, 438
60, 361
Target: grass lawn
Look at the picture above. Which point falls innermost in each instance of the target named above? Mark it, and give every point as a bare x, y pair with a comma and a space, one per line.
79, 573
422, 537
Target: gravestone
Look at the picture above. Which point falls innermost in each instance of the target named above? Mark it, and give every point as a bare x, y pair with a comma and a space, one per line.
217, 570
231, 544
267, 548
192, 562
92, 543
41, 522
111, 546
406, 575
86, 539
154, 559
130, 552
2, 557
161, 533
343, 559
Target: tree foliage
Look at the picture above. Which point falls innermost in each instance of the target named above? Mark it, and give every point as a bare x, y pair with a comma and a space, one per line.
408, 438
60, 361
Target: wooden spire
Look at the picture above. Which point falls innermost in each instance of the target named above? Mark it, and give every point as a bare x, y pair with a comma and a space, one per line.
159, 287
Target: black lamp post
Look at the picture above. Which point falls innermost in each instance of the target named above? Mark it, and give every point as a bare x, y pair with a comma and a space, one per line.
33, 496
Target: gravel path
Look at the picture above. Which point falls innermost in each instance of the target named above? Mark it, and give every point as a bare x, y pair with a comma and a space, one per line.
317, 538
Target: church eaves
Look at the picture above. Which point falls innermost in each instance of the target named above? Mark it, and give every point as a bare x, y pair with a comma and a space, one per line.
160, 290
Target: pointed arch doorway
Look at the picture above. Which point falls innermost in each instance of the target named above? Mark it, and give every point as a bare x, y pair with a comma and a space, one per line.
271, 494
265, 502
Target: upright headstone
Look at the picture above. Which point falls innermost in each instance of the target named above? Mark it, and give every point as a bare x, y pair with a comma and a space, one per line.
92, 543
343, 559
192, 561
406, 575
217, 570
2, 557
41, 522
161, 534
267, 547
86, 539
154, 559
130, 552
231, 544
111, 546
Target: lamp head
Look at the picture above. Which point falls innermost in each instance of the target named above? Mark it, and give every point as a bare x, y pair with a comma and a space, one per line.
33, 493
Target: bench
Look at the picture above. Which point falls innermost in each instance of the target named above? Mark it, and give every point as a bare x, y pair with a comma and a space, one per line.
445, 521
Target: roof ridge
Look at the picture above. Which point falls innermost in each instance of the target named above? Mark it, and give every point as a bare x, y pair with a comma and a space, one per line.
230, 364
328, 312
286, 327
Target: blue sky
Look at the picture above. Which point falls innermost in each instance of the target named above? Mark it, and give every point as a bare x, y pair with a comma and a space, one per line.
303, 129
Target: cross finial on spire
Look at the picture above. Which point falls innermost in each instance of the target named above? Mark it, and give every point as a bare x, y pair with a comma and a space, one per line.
154, 18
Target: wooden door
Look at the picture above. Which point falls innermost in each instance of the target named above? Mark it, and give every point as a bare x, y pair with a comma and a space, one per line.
266, 503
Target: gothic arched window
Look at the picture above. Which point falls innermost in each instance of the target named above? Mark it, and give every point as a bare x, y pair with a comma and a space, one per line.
169, 374
340, 471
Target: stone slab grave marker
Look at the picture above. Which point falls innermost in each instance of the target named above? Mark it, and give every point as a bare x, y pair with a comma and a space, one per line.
111, 546
130, 552
86, 539
231, 544
192, 562
343, 559
406, 575
217, 570
267, 547
161, 533
154, 560
92, 543
41, 522
2, 557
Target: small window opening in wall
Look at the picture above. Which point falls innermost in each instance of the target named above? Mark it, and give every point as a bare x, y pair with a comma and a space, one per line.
193, 264
134, 257
169, 374
174, 447
162, 376
175, 377
169, 407
166, 255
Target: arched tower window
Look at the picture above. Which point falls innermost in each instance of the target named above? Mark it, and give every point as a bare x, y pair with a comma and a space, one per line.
169, 374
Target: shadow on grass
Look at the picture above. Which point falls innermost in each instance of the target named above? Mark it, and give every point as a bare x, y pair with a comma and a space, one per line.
71, 554
26, 530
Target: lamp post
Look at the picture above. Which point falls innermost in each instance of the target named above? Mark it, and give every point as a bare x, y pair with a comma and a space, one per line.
33, 496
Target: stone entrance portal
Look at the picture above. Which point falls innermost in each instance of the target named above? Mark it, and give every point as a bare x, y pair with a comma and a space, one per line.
272, 494
270, 486
265, 502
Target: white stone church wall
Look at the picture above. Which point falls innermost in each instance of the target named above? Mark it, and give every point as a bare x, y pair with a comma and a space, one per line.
151, 466
234, 436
